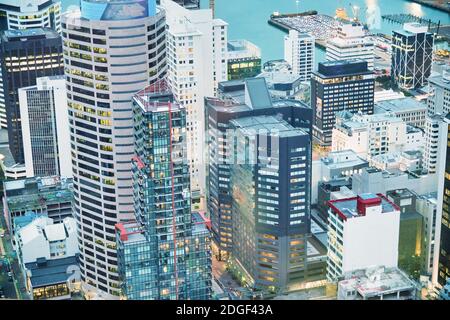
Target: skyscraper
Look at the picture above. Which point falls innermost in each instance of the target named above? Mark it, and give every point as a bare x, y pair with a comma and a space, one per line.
441, 269
45, 128
25, 55
337, 86
270, 186
149, 265
412, 55
30, 14
197, 46
299, 53
351, 43
112, 49
237, 100
439, 99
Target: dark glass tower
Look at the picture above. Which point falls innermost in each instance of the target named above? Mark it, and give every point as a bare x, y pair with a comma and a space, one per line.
149, 265
444, 249
337, 86
26, 55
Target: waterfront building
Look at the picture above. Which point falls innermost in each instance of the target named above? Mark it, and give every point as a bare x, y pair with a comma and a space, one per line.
338, 86
40, 54
377, 283
51, 196
299, 53
426, 205
351, 42
111, 52
412, 55
197, 55
243, 59
45, 128
357, 228
410, 110
236, 100
375, 134
164, 253
30, 14
439, 99
270, 185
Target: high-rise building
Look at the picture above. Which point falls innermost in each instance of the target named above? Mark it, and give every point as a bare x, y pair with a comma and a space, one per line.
243, 59
270, 186
351, 42
165, 253
299, 53
337, 86
362, 232
237, 100
112, 49
441, 269
412, 55
45, 128
30, 14
197, 46
439, 99
435, 128
25, 55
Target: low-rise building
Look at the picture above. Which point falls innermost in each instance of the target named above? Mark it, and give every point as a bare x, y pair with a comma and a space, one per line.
372, 135
403, 161
357, 228
376, 283
380, 181
410, 110
50, 195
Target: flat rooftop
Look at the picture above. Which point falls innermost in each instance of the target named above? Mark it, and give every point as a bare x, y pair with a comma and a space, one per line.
28, 34
267, 125
347, 208
400, 105
373, 282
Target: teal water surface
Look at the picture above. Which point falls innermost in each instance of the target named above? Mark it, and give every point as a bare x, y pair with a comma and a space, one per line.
247, 19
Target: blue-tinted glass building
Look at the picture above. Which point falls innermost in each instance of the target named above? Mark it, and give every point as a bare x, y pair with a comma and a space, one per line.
164, 253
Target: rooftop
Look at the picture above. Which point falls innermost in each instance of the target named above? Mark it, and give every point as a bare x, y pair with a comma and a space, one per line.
266, 125
49, 272
400, 105
343, 158
355, 207
156, 97
28, 34
375, 281
32, 193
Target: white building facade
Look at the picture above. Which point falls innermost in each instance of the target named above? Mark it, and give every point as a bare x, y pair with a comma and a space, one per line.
197, 62
45, 128
372, 135
362, 232
112, 50
351, 43
299, 53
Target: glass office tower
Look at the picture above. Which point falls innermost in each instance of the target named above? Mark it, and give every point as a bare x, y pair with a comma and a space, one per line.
164, 253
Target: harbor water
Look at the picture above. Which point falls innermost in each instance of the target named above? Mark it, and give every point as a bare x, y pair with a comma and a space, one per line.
247, 19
